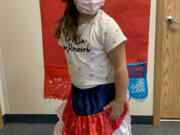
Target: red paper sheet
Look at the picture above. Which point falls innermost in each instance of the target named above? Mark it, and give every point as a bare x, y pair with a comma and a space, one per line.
131, 15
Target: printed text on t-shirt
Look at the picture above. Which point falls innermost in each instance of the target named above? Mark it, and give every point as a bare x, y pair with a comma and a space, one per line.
70, 47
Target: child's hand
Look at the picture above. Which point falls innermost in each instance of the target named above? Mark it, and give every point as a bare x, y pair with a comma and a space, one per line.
116, 107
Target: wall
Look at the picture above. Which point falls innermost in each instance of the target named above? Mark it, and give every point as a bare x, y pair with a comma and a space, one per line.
145, 107
21, 44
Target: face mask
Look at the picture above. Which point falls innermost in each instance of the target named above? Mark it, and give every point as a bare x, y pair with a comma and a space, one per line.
89, 7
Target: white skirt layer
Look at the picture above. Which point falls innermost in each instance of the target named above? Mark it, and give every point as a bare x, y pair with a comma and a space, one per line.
124, 129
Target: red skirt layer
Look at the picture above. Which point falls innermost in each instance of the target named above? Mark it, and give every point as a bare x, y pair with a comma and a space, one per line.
96, 124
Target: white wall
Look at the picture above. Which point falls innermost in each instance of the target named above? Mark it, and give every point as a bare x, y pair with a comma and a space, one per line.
21, 43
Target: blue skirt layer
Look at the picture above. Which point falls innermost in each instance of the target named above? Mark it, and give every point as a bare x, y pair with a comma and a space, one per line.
91, 101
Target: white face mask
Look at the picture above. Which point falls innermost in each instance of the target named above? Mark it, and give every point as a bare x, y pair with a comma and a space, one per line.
89, 7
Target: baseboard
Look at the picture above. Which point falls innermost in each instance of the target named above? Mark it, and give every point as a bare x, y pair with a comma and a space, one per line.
30, 118
52, 118
143, 120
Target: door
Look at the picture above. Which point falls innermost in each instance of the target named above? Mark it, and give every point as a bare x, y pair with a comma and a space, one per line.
1, 119
167, 62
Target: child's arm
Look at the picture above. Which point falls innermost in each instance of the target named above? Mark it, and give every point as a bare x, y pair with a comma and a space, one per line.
117, 58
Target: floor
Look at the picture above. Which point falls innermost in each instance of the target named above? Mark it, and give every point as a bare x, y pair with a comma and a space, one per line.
166, 128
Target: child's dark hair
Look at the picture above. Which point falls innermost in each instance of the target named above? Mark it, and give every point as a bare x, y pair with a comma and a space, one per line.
68, 24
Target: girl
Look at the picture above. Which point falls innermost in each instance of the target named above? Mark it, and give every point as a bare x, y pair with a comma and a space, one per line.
95, 52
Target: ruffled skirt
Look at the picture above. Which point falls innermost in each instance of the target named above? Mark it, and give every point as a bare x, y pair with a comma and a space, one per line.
82, 113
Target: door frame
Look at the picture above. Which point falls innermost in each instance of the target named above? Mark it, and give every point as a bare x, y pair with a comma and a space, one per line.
158, 61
